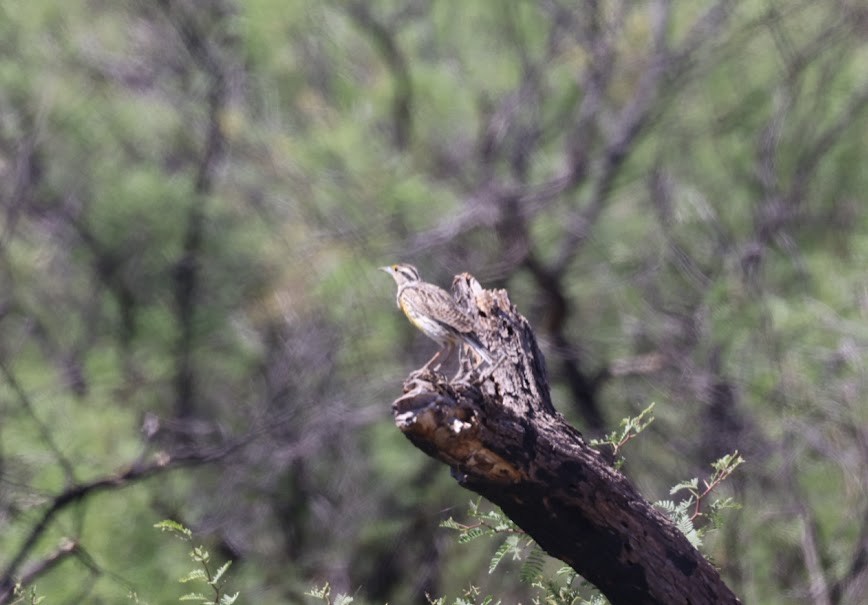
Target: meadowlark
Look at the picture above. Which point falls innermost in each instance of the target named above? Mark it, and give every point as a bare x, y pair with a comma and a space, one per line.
433, 310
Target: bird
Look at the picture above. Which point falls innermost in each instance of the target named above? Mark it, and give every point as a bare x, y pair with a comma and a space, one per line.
434, 311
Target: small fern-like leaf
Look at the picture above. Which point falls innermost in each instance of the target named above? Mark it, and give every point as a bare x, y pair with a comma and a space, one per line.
319, 592
196, 574
497, 557
509, 545
685, 526
470, 534
200, 554
667, 505
450, 523
474, 507
690, 485
174, 528
219, 573
533, 566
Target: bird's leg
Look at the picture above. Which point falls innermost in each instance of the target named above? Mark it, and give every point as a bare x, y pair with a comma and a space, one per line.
474, 364
428, 364
440, 358
490, 369
449, 350
467, 362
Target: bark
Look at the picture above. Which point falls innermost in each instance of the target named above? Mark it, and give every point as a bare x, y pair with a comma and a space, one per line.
503, 439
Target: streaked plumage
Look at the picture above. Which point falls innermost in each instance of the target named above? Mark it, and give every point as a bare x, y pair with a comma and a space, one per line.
433, 310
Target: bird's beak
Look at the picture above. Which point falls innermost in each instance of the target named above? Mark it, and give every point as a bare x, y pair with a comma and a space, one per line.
386, 269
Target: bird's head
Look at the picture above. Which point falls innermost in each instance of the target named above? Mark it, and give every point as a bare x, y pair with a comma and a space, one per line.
401, 273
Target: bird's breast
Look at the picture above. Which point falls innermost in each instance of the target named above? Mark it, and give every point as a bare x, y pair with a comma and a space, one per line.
430, 327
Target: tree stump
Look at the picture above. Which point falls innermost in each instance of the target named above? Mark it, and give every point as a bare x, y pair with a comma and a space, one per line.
504, 440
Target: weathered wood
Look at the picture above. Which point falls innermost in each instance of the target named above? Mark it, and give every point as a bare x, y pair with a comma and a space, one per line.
504, 440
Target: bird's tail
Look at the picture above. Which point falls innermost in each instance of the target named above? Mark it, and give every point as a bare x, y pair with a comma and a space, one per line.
474, 343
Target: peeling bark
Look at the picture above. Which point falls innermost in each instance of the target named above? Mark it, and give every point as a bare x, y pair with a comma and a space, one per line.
499, 432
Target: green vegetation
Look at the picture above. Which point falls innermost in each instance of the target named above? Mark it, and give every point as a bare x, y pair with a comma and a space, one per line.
194, 198
203, 573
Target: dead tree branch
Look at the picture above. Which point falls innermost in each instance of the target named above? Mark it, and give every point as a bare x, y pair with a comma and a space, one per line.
504, 440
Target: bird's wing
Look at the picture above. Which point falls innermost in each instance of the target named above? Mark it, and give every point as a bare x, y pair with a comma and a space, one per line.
440, 306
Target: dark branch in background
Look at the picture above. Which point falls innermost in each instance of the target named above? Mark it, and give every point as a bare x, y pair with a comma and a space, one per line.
664, 63
586, 120
67, 549
856, 576
811, 545
556, 308
385, 43
107, 263
45, 433
73, 494
108, 267
629, 124
186, 277
725, 425
812, 155
782, 208
198, 44
597, 40
583, 388
28, 172
781, 204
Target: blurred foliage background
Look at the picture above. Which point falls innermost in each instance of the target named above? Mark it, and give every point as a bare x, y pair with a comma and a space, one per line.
195, 195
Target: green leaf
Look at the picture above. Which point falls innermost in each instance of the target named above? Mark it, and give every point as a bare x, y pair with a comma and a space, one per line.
450, 523
200, 554
728, 463
509, 545
320, 593
195, 574
471, 534
692, 485
533, 566
219, 573
567, 571
685, 526
174, 528
666, 505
